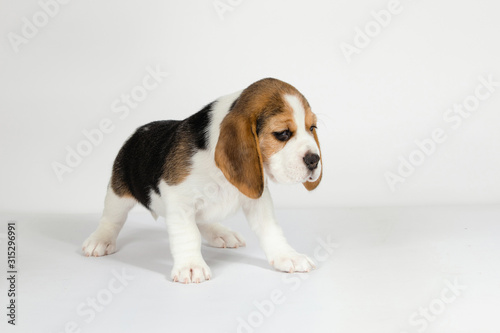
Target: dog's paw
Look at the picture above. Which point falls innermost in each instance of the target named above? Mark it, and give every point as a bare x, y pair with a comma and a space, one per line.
226, 238
292, 262
99, 245
195, 271
220, 236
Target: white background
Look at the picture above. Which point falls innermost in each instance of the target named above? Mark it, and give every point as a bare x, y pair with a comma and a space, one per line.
378, 270
388, 263
395, 91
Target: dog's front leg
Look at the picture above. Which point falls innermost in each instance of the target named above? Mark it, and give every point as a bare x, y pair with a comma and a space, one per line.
260, 216
185, 241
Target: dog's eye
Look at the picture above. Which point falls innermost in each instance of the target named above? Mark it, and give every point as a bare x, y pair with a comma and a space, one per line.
283, 136
312, 128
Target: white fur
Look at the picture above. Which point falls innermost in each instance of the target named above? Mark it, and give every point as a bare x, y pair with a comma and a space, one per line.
195, 207
287, 165
103, 240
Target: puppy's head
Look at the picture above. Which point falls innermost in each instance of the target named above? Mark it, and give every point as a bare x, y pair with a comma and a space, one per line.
270, 129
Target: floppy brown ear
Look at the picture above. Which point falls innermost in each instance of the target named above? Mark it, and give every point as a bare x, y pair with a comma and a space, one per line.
312, 185
237, 154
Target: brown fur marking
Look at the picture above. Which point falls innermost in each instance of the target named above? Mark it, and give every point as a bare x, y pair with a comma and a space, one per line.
246, 139
268, 143
237, 154
178, 165
118, 184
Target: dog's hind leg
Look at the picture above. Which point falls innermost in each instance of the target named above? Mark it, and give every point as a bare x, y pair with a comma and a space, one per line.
103, 240
218, 235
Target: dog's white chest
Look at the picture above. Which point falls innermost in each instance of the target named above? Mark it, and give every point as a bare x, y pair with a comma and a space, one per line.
215, 201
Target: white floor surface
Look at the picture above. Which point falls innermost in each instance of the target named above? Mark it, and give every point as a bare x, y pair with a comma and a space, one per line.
387, 270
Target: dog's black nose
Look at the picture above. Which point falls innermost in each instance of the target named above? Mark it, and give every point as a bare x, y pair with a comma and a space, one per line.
311, 161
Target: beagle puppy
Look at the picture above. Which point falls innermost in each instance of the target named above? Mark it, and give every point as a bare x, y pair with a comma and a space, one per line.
197, 171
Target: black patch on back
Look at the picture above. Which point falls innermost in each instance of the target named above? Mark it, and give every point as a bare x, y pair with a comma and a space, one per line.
140, 163
197, 125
